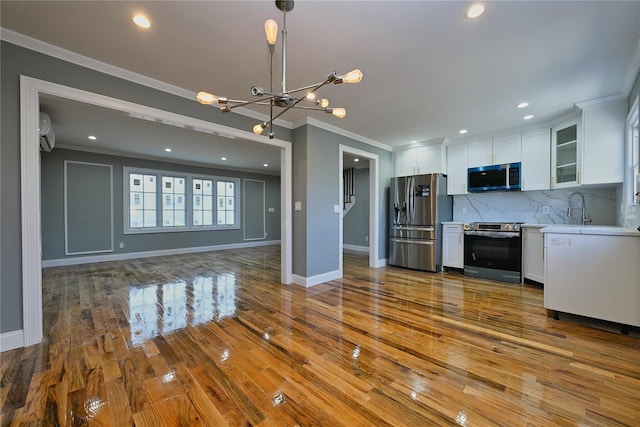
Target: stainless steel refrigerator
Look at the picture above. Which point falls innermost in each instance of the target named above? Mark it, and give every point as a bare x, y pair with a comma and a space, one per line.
418, 206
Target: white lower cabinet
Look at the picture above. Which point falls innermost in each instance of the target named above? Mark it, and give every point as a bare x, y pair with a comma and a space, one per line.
533, 254
593, 275
452, 246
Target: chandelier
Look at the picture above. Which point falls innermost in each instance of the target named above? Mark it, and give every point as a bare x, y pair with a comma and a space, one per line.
302, 97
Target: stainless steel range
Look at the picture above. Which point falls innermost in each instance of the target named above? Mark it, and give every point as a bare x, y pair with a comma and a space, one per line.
493, 250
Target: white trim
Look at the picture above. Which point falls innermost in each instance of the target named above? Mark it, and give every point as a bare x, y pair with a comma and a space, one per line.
601, 101
632, 72
149, 254
11, 340
244, 211
355, 248
334, 129
307, 282
380, 263
30, 90
66, 208
30, 212
374, 202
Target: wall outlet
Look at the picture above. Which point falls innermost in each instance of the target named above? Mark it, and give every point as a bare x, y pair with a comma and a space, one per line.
121, 245
336, 208
298, 206
546, 209
366, 238
271, 210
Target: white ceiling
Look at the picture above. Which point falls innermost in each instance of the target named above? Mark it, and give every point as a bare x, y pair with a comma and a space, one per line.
429, 71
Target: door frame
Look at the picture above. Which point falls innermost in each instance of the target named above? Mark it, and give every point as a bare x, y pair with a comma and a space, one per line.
374, 204
30, 91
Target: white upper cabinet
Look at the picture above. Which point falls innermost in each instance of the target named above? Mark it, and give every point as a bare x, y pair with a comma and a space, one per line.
506, 149
566, 152
457, 169
420, 160
603, 143
480, 153
590, 148
536, 159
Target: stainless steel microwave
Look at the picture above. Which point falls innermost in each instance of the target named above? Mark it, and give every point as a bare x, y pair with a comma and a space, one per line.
504, 177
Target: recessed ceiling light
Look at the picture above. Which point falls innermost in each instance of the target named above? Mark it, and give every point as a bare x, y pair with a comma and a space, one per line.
266, 165
223, 158
356, 160
475, 10
462, 131
528, 117
142, 21
168, 150
413, 141
91, 137
523, 105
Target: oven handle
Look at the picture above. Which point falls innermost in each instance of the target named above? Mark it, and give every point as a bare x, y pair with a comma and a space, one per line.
493, 234
413, 242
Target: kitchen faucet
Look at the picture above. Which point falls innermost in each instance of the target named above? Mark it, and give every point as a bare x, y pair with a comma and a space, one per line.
585, 218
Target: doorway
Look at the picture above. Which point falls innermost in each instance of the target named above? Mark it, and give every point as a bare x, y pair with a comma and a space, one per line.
30, 91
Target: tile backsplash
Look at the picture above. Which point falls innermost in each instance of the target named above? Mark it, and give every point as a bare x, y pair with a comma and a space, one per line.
531, 206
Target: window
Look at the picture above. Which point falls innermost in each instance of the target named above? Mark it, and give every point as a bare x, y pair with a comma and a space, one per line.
633, 154
142, 205
226, 203
159, 201
202, 202
173, 202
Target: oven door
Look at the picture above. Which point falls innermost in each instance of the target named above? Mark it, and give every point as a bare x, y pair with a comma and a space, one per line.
493, 255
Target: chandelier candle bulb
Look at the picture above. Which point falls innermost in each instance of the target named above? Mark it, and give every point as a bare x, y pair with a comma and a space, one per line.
324, 102
354, 76
207, 98
338, 112
271, 31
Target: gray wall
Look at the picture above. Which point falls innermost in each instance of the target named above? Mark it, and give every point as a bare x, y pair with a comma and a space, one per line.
14, 61
52, 167
313, 146
355, 224
319, 153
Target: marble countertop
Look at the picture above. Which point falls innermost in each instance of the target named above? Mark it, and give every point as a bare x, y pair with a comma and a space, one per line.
453, 222
526, 224
607, 230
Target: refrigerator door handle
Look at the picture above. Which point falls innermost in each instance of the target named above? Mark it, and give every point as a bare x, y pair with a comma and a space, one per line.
411, 228
413, 242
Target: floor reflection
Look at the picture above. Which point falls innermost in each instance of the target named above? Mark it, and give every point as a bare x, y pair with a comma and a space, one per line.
155, 309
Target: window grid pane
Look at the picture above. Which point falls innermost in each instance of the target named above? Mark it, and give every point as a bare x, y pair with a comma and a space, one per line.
202, 202
142, 201
173, 201
226, 203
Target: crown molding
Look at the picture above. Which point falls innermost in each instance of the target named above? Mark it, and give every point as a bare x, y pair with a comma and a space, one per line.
317, 123
102, 67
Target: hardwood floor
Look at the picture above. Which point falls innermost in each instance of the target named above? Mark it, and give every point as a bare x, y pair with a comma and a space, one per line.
214, 339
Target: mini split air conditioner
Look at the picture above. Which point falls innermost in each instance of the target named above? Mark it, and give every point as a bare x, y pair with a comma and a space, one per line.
47, 135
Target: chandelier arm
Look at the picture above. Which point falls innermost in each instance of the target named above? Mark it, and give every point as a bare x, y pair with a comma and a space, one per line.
303, 107
315, 87
243, 103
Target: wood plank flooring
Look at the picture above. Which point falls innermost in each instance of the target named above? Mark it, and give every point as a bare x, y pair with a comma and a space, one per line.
214, 339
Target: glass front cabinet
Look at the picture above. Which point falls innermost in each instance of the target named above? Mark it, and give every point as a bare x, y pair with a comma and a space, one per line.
565, 154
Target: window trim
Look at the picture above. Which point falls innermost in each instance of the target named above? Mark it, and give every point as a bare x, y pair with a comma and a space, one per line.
633, 120
127, 170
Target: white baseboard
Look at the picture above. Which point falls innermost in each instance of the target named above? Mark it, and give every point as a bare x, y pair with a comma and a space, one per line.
11, 340
355, 248
380, 263
148, 254
307, 282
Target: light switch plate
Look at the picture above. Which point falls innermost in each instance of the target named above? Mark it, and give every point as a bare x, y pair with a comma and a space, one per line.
271, 209
546, 209
298, 206
336, 208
